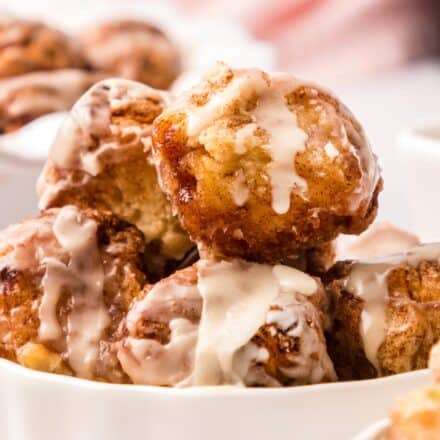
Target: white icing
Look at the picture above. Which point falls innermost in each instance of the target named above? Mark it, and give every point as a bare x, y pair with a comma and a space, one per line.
88, 134
331, 150
295, 316
233, 300
149, 362
88, 140
83, 278
242, 137
286, 139
368, 281
370, 171
236, 298
240, 191
24, 243
271, 114
54, 281
295, 280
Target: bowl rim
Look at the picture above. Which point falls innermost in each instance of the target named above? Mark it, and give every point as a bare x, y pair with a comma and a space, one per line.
373, 430
57, 379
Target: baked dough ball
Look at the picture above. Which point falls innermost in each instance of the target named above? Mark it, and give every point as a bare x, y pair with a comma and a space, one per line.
26, 97
67, 278
416, 416
386, 313
27, 46
134, 50
233, 322
101, 159
260, 166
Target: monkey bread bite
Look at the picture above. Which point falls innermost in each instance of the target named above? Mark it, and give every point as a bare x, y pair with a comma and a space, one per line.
67, 278
134, 50
260, 165
386, 313
229, 322
28, 96
416, 416
101, 159
27, 46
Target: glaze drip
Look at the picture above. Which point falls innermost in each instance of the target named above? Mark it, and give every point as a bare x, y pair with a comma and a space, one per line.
285, 138
211, 320
368, 281
83, 278
236, 298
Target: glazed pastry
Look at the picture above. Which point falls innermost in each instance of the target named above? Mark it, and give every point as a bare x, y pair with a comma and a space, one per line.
417, 415
26, 97
27, 46
134, 50
262, 166
67, 278
228, 322
101, 158
386, 313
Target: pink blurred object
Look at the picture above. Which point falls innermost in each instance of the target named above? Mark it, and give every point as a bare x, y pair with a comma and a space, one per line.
337, 38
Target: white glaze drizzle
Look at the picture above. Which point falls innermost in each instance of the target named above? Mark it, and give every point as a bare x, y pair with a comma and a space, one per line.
53, 282
271, 113
87, 139
331, 150
233, 299
294, 315
240, 191
243, 136
236, 298
149, 362
368, 281
83, 278
287, 139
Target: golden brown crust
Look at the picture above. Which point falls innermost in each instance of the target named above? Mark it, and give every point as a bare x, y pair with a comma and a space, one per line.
199, 173
412, 321
27, 46
126, 181
134, 50
120, 247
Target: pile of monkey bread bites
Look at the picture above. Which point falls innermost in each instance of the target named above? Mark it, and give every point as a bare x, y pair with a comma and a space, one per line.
188, 240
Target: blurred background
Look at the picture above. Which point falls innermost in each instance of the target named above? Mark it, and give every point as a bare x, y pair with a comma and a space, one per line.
380, 56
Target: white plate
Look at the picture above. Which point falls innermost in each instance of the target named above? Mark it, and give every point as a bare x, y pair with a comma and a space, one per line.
40, 406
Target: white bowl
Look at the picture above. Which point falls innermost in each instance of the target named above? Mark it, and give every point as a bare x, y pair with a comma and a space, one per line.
374, 430
40, 406
419, 154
